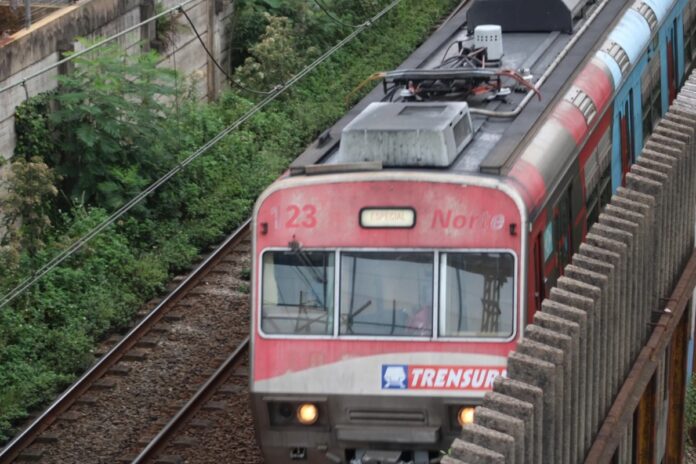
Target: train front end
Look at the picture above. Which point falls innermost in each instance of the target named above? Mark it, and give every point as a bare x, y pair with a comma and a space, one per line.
384, 306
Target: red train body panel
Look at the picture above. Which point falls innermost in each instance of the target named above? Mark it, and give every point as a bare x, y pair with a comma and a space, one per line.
448, 216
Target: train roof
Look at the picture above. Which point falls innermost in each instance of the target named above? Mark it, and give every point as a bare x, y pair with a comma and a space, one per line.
578, 62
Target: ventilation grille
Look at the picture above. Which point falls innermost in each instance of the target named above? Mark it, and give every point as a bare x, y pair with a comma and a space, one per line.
386, 416
619, 55
647, 12
579, 99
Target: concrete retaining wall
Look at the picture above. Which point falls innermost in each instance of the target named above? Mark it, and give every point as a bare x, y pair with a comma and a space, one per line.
564, 375
43, 44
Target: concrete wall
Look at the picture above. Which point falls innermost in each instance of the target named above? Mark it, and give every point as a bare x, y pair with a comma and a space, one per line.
30, 50
567, 371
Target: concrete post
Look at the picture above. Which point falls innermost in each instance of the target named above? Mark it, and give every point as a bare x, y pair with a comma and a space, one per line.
472, 454
601, 237
27, 13
508, 425
490, 439
593, 294
524, 411
626, 319
530, 395
640, 206
564, 335
545, 375
148, 31
571, 307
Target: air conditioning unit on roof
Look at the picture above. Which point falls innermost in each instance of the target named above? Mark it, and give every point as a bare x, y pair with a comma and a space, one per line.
407, 134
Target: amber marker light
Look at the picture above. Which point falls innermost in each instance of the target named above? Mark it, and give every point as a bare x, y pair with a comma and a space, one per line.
465, 416
307, 414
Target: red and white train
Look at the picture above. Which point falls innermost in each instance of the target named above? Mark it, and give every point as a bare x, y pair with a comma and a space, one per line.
399, 260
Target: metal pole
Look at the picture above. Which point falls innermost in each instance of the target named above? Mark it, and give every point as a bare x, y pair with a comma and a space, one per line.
27, 13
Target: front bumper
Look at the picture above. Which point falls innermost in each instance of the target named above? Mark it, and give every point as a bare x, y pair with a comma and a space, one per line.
349, 424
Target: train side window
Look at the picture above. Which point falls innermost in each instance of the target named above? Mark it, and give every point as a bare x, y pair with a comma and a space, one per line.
591, 183
598, 178
672, 77
626, 132
548, 241
689, 22
564, 229
478, 295
651, 91
538, 276
297, 294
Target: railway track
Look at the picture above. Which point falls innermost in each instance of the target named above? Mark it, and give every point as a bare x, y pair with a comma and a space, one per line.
165, 438
133, 401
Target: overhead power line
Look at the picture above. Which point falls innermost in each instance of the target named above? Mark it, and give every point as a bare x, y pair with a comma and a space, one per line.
277, 91
333, 17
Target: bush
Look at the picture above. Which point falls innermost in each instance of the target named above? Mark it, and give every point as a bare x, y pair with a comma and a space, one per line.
110, 124
691, 411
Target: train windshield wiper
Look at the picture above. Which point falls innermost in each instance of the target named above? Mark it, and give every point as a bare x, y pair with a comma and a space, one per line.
296, 249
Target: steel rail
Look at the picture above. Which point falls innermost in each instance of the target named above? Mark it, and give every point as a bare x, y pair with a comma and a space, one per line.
621, 411
199, 399
77, 389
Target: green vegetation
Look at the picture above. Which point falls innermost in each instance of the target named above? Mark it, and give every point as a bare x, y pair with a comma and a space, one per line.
691, 412
116, 124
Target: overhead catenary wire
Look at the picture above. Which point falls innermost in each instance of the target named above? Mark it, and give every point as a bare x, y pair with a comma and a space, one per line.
333, 17
278, 90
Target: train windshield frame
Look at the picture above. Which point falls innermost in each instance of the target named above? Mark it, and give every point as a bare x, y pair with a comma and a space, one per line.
297, 297
423, 294
477, 294
386, 293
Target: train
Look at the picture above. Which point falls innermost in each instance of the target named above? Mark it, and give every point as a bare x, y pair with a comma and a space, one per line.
399, 259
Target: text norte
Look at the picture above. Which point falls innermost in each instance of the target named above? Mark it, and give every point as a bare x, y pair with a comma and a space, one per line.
451, 219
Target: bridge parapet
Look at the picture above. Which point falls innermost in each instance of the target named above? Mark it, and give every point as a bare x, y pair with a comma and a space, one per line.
601, 373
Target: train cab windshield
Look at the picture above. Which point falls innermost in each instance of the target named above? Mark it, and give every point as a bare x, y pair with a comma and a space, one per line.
427, 294
298, 292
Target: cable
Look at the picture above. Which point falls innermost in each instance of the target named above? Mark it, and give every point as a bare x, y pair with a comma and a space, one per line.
26, 90
334, 18
229, 78
279, 90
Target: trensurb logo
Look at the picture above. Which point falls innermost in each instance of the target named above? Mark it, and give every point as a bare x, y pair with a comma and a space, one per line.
394, 377
420, 377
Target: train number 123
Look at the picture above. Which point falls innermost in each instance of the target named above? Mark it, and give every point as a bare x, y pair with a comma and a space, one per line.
295, 216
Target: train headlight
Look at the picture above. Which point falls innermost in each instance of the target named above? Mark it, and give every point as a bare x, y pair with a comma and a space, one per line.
307, 413
465, 415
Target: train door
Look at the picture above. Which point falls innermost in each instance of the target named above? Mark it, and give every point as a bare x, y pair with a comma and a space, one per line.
537, 274
651, 90
626, 129
671, 52
626, 135
689, 36
564, 229
672, 36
